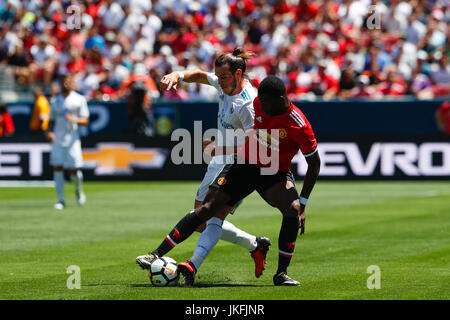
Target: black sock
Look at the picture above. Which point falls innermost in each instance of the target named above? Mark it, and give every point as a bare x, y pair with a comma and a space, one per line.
286, 242
184, 228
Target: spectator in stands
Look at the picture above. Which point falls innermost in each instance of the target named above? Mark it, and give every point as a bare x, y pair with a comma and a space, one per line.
18, 59
43, 64
328, 83
422, 85
361, 88
7, 13
442, 73
347, 81
7, 128
290, 36
41, 112
443, 117
393, 85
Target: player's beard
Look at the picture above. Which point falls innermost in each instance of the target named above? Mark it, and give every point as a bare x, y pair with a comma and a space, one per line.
233, 86
65, 91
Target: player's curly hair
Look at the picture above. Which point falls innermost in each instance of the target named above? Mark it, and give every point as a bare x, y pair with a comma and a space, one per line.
235, 60
272, 86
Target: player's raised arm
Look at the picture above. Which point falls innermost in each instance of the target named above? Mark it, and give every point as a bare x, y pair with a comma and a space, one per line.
170, 81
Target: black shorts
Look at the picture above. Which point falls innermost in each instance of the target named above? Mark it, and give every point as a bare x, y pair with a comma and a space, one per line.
240, 180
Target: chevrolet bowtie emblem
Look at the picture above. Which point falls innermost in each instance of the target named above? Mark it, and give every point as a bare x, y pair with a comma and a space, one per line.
120, 158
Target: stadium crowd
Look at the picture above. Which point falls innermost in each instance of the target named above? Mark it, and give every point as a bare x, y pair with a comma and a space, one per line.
330, 49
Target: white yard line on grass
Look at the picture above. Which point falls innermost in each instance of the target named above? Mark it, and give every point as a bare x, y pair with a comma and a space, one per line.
26, 184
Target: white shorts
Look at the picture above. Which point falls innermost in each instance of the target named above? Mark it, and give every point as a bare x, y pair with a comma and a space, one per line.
70, 157
214, 168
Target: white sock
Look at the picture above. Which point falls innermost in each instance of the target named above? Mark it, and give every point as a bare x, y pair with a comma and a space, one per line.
235, 235
58, 177
77, 179
207, 240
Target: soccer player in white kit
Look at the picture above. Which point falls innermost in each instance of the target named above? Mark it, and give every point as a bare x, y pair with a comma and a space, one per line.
68, 110
236, 95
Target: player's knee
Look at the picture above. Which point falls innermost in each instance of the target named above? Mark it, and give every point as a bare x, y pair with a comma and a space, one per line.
204, 212
293, 210
201, 228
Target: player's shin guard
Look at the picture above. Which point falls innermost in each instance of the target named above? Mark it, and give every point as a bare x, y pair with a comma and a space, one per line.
207, 240
58, 177
77, 179
184, 228
235, 235
286, 241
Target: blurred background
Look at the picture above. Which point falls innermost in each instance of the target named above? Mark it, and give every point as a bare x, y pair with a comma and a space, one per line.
364, 72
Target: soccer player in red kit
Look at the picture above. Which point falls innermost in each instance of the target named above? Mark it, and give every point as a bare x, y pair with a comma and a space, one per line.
274, 113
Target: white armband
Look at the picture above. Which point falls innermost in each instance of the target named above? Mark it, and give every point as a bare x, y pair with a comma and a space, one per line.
181, 75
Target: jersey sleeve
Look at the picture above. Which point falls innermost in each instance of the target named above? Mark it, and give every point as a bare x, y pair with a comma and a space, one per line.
214, 81
84, 110
306, 140
246, 114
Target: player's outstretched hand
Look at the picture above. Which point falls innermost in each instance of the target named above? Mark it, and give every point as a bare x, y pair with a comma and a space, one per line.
169, 82
302, 222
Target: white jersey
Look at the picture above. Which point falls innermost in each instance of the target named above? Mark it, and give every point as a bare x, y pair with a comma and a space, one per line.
74, 104
235, 112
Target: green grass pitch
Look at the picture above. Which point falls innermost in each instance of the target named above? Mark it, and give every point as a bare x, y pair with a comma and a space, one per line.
401, 227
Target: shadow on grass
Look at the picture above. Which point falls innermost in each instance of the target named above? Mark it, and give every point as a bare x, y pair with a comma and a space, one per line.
204, 285
214, 285
198, 285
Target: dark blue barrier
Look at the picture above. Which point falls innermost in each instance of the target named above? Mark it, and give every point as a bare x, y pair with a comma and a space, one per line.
366, 117
334, 117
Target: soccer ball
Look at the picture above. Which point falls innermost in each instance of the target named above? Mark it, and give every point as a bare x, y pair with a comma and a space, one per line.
163, 272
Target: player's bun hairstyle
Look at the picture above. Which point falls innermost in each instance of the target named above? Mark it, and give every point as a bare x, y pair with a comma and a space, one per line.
235, 60
272, 86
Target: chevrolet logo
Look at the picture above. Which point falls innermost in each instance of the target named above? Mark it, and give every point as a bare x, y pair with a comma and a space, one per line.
120, 158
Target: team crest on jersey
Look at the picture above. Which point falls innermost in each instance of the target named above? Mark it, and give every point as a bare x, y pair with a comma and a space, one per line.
259, 119
282, 133
221, 181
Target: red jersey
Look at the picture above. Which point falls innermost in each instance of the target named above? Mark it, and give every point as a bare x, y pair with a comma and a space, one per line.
293, 133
